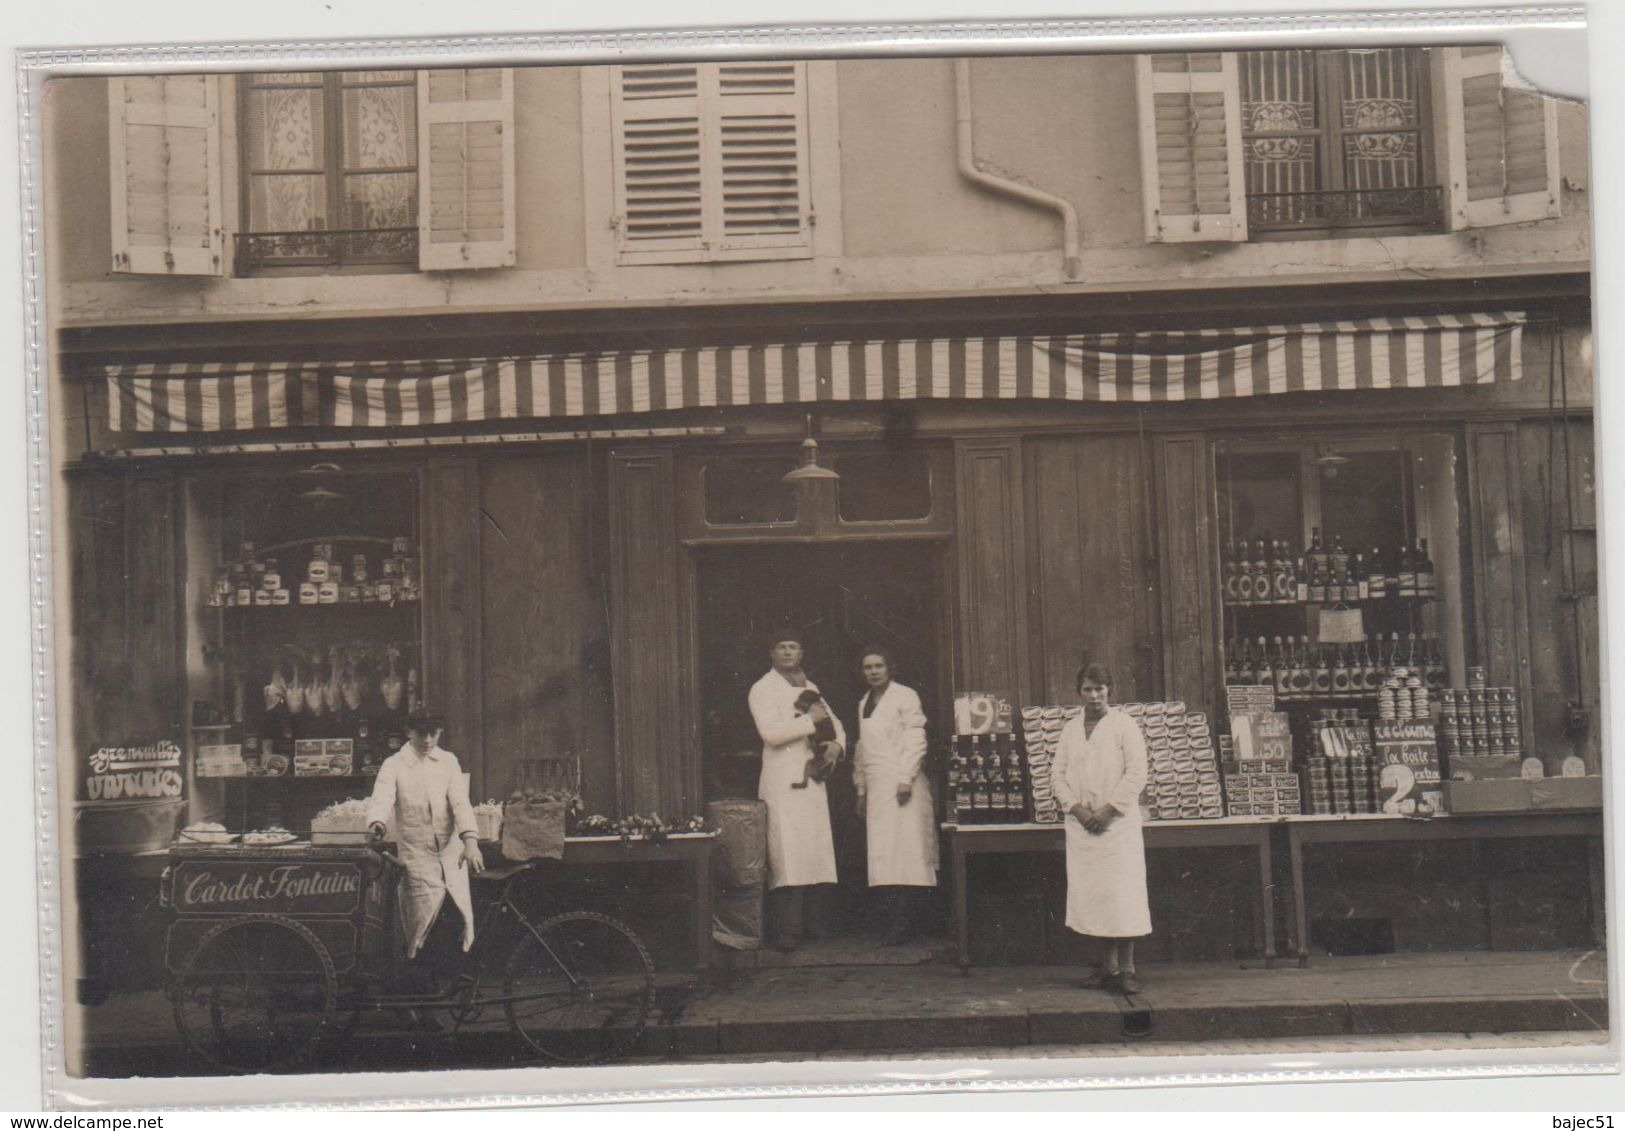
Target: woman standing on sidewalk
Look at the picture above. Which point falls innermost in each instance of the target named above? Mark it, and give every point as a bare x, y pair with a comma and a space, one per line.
894, 795
1100, 771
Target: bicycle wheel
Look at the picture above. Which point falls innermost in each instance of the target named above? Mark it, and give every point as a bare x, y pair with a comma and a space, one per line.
582, 986
256, 994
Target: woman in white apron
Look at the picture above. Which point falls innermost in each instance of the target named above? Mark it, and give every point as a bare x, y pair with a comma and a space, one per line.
1099, 773
800, 846
894, 794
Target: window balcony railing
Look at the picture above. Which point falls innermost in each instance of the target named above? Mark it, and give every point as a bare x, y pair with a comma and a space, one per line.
1421, 207
329, 248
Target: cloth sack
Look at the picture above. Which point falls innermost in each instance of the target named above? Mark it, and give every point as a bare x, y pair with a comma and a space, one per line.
533, 830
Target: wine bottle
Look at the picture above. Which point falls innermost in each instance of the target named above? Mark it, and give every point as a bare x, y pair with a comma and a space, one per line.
1281, 673
1339, 557
1301, 582
1318, 565
1231, 578
1407, 572
1361, 581
1424, 571
1377, 580
1341, 683
1282, 588
1303, 676
1263, 671
1323, 674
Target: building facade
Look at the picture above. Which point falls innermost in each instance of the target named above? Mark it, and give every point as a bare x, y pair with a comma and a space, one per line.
1069, 329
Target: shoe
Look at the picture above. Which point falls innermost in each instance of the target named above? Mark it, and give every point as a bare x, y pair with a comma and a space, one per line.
1100, 979
1127, 983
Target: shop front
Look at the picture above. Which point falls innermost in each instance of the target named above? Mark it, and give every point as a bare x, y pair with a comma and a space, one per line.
574, 549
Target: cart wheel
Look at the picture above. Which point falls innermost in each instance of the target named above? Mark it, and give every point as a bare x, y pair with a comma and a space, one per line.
256, 994
585, 987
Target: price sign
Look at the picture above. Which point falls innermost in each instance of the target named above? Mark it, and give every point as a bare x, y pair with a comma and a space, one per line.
1347, 742
982, 712
1408, 753
1341, 626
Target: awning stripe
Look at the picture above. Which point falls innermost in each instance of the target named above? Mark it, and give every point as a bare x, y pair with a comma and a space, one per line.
1431, 351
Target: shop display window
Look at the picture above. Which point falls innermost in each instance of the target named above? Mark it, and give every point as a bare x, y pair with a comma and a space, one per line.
748, 492
304, 640
1340, 560
884, 487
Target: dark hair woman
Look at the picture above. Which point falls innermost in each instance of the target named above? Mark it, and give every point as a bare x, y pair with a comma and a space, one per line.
1100, 769
894, 792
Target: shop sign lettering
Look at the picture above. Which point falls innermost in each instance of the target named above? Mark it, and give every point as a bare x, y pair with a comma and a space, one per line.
310, 888
1410, 782
124, 773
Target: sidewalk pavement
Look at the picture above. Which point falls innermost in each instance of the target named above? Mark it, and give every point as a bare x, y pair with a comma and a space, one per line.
803, 1010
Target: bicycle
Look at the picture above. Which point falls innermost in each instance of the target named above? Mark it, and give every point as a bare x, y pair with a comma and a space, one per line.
260, 992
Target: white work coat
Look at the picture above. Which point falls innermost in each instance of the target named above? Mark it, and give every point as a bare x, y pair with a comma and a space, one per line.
424, 799
891, 753
1105, 872
800, 846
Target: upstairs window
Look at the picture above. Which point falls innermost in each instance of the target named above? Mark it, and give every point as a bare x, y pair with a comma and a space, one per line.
1343, 142
335, 170
1337, 139
329, 169
711, 162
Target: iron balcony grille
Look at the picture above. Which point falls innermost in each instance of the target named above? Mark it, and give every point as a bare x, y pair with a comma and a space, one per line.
331, 248
1420, 207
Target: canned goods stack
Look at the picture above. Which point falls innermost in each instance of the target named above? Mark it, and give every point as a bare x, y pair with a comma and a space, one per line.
1480, 721
1404, 695
1319, 773
1182, 772
1342, 771
1041, 733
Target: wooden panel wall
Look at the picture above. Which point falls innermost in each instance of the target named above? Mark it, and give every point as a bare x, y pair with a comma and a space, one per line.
655, 754
1496, 516
126, 602
1561, 601
992, 568
1190, 669
1094, 594
451, 603
545, 687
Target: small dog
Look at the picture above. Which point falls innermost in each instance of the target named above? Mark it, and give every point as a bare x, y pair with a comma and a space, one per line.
821, 765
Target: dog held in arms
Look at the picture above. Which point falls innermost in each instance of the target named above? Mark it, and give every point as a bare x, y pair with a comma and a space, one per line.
827, 751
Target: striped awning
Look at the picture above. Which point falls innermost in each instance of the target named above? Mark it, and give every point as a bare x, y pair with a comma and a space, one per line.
1435, 351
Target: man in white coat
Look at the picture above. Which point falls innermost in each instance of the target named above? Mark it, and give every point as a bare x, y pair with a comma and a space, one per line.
800, 845
422, 795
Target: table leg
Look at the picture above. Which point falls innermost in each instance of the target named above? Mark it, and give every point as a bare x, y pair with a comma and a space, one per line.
961, 911
702, 907
1266, 898
1300, 907
1599, 889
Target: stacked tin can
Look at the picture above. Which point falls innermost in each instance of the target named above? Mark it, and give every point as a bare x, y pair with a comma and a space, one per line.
1403, 695
1041, 732
1182, 772
1478, 720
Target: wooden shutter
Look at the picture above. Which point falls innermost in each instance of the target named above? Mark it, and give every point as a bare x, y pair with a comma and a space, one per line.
1190, 147
1500, 143
711, 161
465, 169
165, 160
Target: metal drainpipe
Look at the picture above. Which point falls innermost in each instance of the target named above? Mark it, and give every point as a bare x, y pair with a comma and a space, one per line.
1071, 262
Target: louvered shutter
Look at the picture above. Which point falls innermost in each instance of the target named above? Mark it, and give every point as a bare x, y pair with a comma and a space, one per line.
659, 160
1501, 144
165, 160
465, 169
1190, 147
758, 125
711, 162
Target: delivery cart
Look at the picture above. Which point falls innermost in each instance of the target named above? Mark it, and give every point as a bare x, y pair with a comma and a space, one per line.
273, 950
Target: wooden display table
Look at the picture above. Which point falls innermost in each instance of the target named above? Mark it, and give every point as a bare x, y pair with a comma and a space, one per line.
965, 841
1368, 828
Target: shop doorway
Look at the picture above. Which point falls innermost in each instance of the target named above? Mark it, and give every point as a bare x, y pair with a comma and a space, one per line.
844, 596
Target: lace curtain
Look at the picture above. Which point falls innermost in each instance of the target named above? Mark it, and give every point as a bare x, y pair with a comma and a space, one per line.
295, 173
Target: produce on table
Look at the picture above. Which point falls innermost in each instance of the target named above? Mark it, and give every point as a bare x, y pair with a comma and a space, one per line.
274, 834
